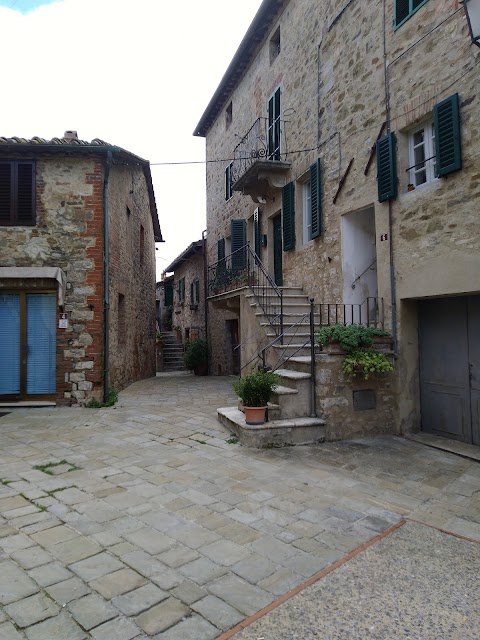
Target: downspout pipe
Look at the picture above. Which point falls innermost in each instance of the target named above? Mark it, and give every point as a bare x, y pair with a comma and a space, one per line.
205, 292
393, 293
106, 277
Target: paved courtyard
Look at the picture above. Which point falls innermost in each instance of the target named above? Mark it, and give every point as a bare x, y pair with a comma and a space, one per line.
148, 520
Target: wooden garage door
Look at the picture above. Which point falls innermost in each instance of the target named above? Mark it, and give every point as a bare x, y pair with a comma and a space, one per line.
449, 335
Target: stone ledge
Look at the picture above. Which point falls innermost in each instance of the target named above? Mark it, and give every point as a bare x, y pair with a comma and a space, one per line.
277, 433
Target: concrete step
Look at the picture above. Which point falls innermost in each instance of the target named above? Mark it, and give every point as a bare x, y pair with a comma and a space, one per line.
275, 433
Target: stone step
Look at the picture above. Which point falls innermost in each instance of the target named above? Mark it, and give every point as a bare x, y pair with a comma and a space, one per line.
275, 433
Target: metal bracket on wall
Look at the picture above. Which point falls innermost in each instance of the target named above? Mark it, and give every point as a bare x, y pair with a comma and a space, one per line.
373, 150
342, 181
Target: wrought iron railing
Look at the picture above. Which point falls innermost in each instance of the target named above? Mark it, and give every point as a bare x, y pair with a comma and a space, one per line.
264, 140
371, 313
243, 268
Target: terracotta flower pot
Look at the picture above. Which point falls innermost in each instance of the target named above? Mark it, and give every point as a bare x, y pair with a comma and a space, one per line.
255, 415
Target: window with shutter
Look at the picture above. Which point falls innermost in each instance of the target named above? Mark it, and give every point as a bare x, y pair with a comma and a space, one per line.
386, 167
288, 216
17, 193
446, 118
274, 126
404, 9
168, 295
315, 200
239, 242
256, 232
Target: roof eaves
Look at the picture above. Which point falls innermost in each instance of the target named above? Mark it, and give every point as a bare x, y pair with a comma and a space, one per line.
263, 20
190, 251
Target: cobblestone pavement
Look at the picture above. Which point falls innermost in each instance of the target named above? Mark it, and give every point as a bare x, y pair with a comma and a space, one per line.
147, 520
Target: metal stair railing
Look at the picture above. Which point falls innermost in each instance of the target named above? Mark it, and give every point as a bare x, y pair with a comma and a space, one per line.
244, 268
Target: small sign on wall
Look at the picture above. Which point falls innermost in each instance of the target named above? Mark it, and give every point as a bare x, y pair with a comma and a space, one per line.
63, 321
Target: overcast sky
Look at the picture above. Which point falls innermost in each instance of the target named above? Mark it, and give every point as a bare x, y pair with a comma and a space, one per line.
136, 74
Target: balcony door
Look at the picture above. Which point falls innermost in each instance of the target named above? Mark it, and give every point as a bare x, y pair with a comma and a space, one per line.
274, 131
27, 346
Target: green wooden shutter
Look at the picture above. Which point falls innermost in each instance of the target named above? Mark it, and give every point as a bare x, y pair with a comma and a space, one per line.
387, 167
221, 249
168, 294
239, 241
316, 199
446, 119
288, 216
256, 233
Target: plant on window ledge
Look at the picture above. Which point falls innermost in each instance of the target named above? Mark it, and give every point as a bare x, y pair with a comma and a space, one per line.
411, 187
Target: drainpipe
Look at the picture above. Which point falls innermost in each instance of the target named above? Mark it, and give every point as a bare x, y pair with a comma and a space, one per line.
106, 279
393, 295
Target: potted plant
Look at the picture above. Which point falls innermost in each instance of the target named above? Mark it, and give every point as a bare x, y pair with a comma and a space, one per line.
196, 356
255, 391
356, 341
411, 187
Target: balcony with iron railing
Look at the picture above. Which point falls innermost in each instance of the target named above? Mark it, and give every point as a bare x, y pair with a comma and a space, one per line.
259, 164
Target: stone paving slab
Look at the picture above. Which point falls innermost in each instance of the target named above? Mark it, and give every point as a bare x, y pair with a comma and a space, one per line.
164, 515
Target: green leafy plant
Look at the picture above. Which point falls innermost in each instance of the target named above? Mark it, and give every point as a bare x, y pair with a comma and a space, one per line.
255, 389
196, 353
351, 337
232, 440
366, 363
112, 398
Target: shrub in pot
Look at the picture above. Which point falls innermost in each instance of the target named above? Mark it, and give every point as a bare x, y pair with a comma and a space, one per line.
196, 356
255, 391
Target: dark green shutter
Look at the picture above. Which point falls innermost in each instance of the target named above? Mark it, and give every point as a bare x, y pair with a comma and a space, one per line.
316, 199
6, 193
192, 296
387, 167
256, 233
25, 193
446, 118
168, 294
288, 216
239, 241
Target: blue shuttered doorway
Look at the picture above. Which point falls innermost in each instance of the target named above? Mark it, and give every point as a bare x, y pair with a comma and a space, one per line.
27, 345
9, 344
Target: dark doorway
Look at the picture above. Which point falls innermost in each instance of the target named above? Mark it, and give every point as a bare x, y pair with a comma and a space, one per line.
450, 367
277, 251
233, 335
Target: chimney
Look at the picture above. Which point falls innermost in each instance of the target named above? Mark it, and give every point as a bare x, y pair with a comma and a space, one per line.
70, 136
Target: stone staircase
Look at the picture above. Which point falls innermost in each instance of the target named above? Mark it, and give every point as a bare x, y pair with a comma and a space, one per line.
173, 354
289, 420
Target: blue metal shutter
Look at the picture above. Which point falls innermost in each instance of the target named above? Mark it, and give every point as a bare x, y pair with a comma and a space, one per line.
41, 341
9, 344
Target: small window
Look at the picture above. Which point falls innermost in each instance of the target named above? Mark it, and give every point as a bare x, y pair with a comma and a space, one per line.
307, 211
228, 115
17, 193
122, 338
421, 142
404, 9
275, 45
142, 244
228, 182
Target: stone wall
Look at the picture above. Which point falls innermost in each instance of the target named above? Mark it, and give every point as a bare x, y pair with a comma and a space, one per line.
330, 68
190, 319
132, 276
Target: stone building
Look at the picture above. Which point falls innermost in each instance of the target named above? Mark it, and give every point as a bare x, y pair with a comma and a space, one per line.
78, 226
188, 292
351, 129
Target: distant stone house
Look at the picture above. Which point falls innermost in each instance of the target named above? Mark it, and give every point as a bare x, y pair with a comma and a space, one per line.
78, 226
187, 293
342, 145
